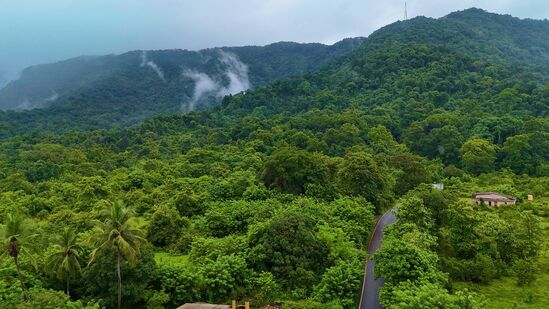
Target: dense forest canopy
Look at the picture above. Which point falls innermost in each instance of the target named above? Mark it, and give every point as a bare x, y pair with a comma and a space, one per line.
272, 195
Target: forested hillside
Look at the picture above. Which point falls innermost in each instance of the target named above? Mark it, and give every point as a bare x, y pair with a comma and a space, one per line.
271, 196
119, 91
124, 90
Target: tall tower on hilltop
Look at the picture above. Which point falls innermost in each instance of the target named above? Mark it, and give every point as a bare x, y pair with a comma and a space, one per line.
405, 11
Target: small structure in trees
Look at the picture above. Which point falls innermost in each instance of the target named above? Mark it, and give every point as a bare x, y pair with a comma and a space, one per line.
213, 306
203, 306
493, 199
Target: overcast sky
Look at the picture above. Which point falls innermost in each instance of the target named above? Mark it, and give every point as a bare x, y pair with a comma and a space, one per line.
42, 31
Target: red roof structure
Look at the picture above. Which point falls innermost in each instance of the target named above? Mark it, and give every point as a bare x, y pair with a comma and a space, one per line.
494, 199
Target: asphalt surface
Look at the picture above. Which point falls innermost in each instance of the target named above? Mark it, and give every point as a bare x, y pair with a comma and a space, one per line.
369, 298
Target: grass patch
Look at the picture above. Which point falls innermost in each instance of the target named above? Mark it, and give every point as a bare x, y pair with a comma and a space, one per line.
505, 293
167, 258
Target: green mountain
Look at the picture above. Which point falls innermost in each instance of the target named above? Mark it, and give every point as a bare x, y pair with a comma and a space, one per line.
492, 37
126, 89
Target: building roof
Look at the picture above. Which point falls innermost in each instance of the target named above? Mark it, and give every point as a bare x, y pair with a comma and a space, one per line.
203, 306
493, 196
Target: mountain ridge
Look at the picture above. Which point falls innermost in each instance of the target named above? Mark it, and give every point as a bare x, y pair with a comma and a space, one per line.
492, 40
65, 77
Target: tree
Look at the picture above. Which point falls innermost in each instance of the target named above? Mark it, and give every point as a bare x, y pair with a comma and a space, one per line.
98, 281
507, 100
412, 210
413, 171
526, 153
118, 231
526, 271
165, 226
359, 174
412, 262
288, 247
182, 282
265, 288
225, 277
478, 156
444, 143
16, 239
64, 262
435, 200
290, 169
427, 295
340, 282
48, 299
355, 216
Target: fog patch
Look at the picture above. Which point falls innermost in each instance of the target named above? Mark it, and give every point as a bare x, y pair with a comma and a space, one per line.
26, 104
235, 71
54, 96
152, 65
204, 86
40, 103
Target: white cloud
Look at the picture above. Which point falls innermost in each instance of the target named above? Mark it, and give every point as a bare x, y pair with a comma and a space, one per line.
234, 70
152, 65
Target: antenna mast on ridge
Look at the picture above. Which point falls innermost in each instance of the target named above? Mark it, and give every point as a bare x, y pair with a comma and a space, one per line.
405, 11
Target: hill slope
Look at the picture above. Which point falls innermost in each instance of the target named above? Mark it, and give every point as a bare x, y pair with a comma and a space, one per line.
142, 85
162, 81
475, 32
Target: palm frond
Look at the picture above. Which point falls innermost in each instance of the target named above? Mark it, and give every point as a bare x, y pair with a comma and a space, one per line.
30, 256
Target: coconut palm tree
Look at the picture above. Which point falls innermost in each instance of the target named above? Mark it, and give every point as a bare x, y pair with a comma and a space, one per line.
118, 231
16, 240
65, 260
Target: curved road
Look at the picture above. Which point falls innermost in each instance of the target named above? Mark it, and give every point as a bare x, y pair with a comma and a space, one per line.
369, 298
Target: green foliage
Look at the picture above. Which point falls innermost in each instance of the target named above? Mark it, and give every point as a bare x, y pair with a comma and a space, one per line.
165, 226
527, 153
214, 248
16, 241
413, 172
50, 299
340, 282
64, 261
427, 295
287, 246
398, 261
181, 282
526, 271
411, 210
225, 278
98, 281
359, 174
117, 232
354, 215
157, 300
265, 288
290, 170
478, 156
272, 195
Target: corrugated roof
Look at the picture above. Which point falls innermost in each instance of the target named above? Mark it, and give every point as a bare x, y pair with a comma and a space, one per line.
493, 196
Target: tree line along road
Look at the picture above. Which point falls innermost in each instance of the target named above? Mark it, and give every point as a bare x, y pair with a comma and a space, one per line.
369, 297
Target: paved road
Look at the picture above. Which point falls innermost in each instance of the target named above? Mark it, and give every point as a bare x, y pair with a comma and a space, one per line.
369, 298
